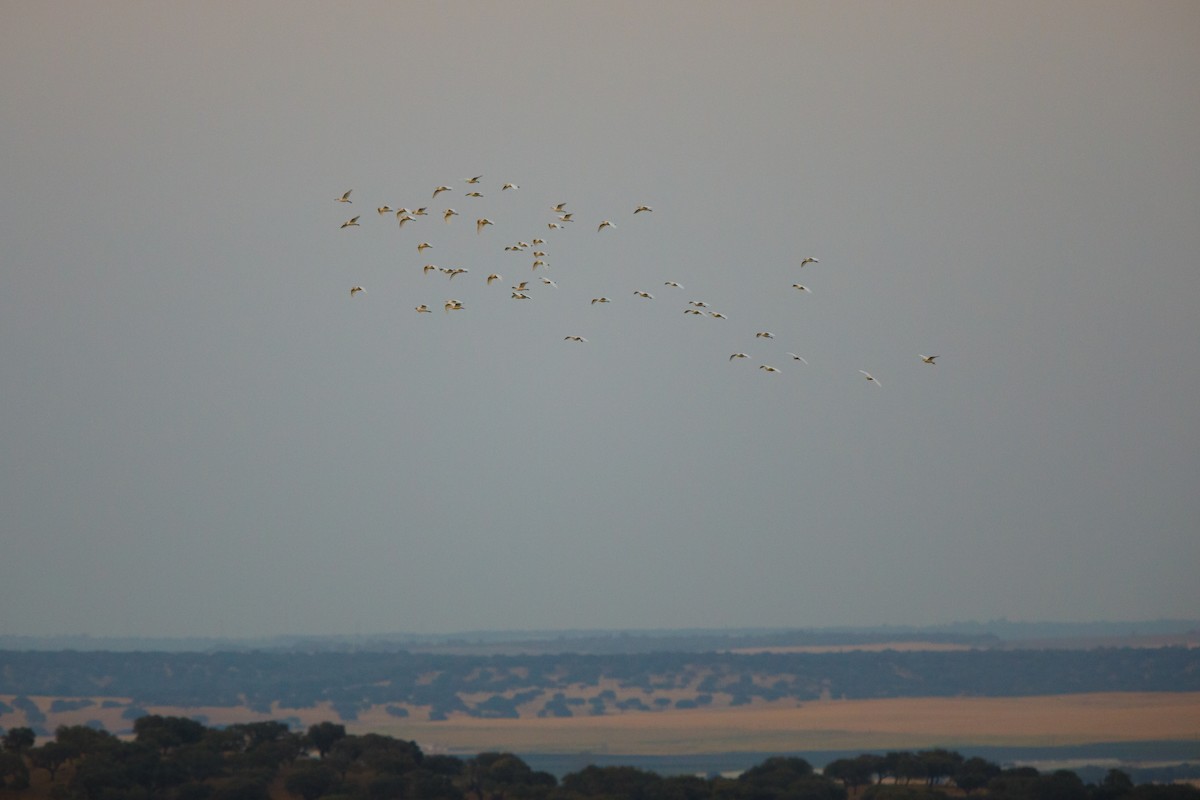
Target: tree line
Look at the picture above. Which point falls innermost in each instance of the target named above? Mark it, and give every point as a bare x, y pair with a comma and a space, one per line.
177, 758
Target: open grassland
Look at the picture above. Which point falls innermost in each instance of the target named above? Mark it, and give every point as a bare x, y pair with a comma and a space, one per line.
907, 723
827, 725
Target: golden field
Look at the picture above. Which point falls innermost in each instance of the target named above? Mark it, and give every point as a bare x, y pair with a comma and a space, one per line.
908, 723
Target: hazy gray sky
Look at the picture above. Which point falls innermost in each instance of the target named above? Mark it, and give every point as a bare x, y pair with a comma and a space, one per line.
203, 434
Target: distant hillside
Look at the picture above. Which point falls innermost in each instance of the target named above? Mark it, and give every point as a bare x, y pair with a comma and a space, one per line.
994, 633
435, 686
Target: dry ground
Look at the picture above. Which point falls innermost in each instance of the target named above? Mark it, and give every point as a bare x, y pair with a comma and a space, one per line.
909, 723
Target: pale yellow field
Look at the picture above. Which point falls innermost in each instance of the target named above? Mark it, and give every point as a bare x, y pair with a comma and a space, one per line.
827, 725
909, 723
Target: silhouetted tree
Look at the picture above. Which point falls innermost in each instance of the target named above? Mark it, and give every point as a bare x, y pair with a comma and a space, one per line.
786, 778
323, 735
386, 754
167, 733
852, 772
81, 740
50, 757
975, 773
1062, 784
939, 764
18, 740
255, 733
904, 766
777, 771
1116, 784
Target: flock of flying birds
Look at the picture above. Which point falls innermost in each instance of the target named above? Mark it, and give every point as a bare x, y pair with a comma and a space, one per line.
558, 218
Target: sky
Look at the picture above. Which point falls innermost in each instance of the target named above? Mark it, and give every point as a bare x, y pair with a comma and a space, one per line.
202, 433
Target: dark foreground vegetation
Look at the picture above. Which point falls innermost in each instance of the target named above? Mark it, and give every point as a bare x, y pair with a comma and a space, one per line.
176, 758
436, 686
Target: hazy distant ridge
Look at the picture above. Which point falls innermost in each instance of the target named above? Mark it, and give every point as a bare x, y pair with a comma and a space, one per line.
993, 632
446, 684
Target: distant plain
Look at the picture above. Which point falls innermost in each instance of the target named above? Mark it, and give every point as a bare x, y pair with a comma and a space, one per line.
722, 726
903, 723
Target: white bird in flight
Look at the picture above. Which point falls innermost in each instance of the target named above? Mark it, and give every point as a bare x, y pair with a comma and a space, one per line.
738, 355
870, 377
639, 209
472, 180
767, 367
448, 213
928, 359
765, 335
495, 276
600, 300
355, 290
452, 305
574, 339
423, 309
423, 246
481, 223
345, 198
802, 287
809, 260
441, 189
384, 210
351, 223
798, 358
509, 186
673, 284
605, 224
646, 295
